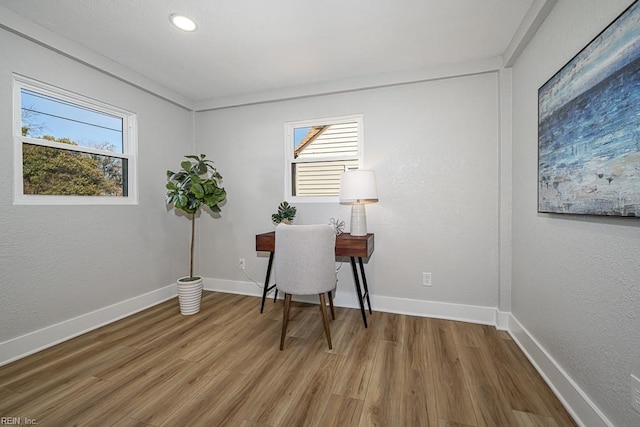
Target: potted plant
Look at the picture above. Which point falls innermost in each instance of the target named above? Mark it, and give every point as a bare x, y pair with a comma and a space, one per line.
195, 186
286, 213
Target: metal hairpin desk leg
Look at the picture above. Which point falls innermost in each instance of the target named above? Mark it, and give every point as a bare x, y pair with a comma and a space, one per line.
364, 282
356, 281
266, 288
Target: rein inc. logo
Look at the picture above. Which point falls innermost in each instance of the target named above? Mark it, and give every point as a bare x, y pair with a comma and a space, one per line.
17, 421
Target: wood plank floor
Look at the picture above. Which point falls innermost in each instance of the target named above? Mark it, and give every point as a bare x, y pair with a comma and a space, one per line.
223, 366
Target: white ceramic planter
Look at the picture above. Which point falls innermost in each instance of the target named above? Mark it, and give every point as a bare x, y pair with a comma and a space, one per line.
189, 295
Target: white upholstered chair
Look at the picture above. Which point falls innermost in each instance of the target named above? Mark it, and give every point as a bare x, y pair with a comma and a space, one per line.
305, 265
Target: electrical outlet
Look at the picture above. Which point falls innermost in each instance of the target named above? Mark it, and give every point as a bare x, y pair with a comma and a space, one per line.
426, 279
241, 263
635, 392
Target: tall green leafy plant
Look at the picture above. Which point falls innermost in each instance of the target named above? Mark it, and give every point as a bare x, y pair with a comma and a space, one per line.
195, 186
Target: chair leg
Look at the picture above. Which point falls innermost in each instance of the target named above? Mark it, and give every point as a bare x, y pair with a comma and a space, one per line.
333, 311
325, 318
285, 318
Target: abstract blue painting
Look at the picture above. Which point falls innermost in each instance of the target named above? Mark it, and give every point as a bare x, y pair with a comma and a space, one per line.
589, 127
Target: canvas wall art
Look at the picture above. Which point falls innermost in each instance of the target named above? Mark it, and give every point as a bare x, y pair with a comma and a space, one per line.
589, 127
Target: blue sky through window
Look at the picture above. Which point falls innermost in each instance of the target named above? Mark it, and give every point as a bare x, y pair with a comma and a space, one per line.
89, 128
299, 134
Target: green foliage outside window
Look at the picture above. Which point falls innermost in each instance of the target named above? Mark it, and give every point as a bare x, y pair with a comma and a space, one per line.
54, 171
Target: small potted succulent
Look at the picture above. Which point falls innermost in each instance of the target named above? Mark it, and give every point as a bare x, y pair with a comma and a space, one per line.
195, 186
286, 213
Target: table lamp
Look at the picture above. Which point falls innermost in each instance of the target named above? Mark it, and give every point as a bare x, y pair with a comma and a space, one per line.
358, 187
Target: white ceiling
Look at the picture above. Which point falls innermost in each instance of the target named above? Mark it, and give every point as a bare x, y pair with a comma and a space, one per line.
252, 46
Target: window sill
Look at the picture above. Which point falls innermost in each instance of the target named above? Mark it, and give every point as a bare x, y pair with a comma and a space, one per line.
37, 200
313, 199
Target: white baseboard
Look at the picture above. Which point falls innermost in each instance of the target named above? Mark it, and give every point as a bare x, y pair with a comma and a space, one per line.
342, 299
19, 347
503, 320
441, 310
581, 408
232, 286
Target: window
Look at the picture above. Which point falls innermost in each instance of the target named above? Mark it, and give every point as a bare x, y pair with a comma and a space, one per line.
69, 149
317, 152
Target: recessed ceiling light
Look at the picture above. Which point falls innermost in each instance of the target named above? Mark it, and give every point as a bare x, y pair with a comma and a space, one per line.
182, 22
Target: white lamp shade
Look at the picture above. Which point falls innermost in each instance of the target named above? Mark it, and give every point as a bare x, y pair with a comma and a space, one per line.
358, 186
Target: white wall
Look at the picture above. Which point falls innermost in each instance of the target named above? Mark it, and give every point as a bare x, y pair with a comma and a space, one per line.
60, 262
575, 279
434, 147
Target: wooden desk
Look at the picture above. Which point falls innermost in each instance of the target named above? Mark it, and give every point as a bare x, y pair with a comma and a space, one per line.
346, 246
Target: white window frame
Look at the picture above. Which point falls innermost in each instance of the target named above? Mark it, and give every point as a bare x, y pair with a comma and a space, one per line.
129, 146
290, 160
